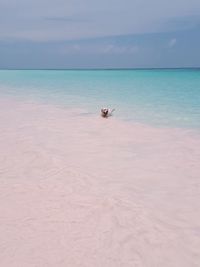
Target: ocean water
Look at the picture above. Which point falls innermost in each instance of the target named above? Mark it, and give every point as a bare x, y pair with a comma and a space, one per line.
163, 98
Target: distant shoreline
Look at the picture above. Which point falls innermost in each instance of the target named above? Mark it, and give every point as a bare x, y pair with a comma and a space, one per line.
102, 69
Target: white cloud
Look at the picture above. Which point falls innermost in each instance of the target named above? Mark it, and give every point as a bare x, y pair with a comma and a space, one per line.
116, 49
98, 48
172, 42
71, 49
77, 47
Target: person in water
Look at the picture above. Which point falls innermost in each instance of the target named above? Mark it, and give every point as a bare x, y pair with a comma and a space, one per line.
105, 112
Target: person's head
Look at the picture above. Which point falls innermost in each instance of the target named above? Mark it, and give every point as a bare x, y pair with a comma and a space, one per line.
104, 112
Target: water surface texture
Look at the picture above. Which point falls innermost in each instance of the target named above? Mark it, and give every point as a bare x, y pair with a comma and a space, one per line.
158, 97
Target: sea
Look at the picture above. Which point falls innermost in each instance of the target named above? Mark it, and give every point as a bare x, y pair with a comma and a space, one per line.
158, 97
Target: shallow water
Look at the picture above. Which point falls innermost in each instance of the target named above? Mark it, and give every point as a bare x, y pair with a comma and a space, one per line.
79, 190
156, 97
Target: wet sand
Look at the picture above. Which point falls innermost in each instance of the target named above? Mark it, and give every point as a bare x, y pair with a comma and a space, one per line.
80, 190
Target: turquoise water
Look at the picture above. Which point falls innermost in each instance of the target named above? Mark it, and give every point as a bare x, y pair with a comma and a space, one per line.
157, 97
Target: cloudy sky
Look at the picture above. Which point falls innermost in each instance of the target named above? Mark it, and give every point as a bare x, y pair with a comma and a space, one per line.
99, 33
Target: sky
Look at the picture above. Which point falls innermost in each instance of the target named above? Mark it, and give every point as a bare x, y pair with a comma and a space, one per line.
60, 34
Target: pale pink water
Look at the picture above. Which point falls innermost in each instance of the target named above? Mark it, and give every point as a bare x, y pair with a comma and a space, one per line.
86, 191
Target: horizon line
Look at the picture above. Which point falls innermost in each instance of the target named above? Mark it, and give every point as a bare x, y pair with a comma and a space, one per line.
85, 69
